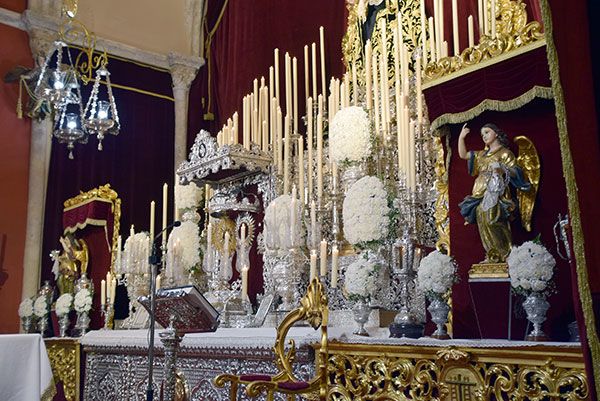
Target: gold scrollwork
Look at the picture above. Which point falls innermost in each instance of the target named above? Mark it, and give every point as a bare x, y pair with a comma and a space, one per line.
513, 32
64, 360
374, 373
442, 222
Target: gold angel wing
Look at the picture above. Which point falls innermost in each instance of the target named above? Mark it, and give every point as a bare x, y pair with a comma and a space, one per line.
529, 160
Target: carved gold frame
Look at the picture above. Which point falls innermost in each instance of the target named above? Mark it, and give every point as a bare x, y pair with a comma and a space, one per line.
103, 193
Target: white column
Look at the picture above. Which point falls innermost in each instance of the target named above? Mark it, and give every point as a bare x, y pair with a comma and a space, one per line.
183, 71
39, 158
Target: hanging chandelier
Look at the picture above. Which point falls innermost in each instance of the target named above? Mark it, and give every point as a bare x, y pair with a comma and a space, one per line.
58, 87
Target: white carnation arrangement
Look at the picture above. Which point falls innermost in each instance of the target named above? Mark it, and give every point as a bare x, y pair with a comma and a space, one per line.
83, 301
40, 306
188, 196
26, 308
361, 279
365, 212
350, 135
436, 274
63, 304
183, 249
530, 267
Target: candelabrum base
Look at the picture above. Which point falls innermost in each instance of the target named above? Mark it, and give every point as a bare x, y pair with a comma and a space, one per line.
440, 336
532, 337
408, 330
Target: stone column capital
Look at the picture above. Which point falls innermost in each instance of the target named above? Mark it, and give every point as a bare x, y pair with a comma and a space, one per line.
183, 69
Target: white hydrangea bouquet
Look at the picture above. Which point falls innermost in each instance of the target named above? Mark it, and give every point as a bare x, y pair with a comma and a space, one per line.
26, 308
361, 279
40, 306
530, 267
350, 136
63, 304
183, 250
83, 301
365, 213
436, 274
188, 196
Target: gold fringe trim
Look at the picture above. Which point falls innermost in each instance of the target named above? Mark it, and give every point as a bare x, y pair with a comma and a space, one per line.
50, 392
585, 293
493, 105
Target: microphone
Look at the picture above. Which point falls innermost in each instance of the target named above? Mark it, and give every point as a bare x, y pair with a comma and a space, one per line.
154, 259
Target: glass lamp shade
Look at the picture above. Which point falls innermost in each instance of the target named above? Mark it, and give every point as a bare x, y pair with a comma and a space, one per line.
71, 121
103, 110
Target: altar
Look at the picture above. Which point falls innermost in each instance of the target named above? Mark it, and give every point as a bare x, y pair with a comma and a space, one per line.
359, 368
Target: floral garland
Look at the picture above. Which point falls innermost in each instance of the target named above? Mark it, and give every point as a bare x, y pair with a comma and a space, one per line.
530, 267
83, 300
40, 306
188, 196
26, 308
365, 212
436, 274
361, 279
350, 135
183, 249
63, 304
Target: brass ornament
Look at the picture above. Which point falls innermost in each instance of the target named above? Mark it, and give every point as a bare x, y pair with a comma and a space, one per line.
219, 227
65, 361
489, 270
513, 32
442, 220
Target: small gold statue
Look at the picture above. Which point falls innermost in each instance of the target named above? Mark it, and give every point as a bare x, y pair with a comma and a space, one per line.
73, 261
491, 205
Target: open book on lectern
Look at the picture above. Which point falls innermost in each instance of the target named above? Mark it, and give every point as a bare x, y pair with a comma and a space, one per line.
192, 312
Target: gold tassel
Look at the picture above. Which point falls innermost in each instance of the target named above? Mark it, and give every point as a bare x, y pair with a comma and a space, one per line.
20, 100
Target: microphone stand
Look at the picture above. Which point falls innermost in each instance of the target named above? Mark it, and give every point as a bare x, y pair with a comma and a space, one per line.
154, 262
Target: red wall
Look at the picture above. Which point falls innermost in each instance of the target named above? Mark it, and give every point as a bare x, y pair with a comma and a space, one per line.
14, 165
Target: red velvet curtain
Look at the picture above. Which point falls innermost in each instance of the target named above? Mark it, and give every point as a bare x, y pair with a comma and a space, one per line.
135, 163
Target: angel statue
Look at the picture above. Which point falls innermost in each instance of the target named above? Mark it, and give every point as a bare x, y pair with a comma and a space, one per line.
73, 261
491, 204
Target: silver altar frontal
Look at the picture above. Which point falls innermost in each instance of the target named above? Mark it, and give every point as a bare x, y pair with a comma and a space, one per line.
116, 361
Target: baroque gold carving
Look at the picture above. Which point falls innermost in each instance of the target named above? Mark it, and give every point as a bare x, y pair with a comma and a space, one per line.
107, 194
374, 373
513, 32
442, 221
64, 360
489, 270
529, 160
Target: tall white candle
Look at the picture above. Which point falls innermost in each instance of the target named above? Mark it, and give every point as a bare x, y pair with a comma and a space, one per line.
313, 53
411, 159
295, 88
276, 59
334, 266
113, 290
293, 206
131, 231
319, 156
313, 224
322, 48
376, 94
471, 31
313, 264
480, 17
286, 156
288, 84
103, 292
323, 265
442, 20
432, 46
455, 37
306, 73
309, 146
418, 93
423, 31
158, 281
164, 214
301, 168
368, 58
152, 212
245, 282
354, 85
493, 18
279, 141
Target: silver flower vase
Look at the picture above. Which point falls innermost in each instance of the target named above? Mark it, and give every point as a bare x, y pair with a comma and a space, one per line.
438, 308
83, 323
63, 325
27, 324
361, 311
536, 306
43, 325
351, 174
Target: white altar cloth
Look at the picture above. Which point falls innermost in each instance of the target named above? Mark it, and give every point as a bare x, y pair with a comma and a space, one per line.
25, 374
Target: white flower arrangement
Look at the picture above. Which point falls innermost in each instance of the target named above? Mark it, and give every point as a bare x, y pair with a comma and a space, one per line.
436, 274
350, 135
183, 249
365, 211
361, 279
26, 308
188, 196
63, 304
40, 306
83, 301
530, 267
